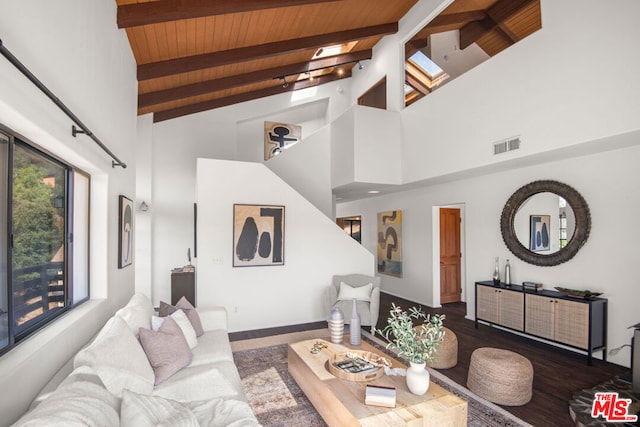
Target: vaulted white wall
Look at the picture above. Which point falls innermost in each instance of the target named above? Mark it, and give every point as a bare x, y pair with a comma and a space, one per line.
543, 88
230, 133
314, 250
74, 48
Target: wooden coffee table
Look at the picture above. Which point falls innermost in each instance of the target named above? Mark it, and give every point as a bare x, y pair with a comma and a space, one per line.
341, 402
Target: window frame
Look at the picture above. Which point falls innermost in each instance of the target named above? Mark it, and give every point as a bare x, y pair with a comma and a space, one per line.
13, 139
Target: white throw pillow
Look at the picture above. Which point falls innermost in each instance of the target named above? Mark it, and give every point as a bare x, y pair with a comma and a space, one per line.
118, 358
185, 325
361, 293
137, 313
152, 411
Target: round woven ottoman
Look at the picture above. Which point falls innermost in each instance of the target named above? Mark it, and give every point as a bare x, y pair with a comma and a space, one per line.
447, 354
500, 376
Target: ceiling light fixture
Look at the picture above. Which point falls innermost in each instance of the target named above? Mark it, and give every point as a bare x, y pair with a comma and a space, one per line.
340, 71
373, 191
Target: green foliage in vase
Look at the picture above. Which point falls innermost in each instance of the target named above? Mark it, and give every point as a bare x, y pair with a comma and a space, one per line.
417, 343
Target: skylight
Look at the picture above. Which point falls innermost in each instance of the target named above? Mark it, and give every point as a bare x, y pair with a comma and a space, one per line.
333, 50
423, 61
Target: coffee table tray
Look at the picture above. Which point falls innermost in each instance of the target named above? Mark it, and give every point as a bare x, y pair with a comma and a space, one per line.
349, 365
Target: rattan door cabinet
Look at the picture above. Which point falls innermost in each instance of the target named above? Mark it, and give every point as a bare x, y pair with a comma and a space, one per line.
552, 316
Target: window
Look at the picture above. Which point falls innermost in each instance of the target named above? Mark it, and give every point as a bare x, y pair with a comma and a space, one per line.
44, 251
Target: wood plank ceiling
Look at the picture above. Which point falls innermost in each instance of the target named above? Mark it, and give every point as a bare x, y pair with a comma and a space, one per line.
493, 25
197, 55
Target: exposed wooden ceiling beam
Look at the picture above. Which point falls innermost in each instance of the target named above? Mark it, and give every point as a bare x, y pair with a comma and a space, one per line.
416, 84
242, 97
208, 60
455, 19
195, 89
496, 15
131, 15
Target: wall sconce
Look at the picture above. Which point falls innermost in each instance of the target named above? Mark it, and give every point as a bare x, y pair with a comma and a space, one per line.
144, 206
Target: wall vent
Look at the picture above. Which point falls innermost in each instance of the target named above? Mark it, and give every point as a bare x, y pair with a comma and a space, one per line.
506, 145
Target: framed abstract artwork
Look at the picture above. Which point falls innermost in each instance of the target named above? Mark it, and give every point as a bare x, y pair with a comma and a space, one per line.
390, 243
258, 235
279, 137
125, 232
540, 227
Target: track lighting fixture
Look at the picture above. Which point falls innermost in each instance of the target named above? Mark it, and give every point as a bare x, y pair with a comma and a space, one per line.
337, 67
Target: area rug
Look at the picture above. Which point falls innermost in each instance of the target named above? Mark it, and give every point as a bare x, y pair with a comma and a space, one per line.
277, 400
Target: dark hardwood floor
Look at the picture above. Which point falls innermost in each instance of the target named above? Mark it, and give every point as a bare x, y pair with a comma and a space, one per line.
558, 373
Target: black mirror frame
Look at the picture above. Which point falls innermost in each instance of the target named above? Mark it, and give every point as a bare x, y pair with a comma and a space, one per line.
580, 235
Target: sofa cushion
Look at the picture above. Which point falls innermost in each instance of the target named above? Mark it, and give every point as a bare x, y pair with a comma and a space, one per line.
202, 382
189, 310
80, 401
167, 349
361, 293
212, 347
139, 410
137, 313
118, 359
183, 323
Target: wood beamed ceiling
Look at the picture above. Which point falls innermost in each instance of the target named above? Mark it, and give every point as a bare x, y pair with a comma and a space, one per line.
197, 55
493, 25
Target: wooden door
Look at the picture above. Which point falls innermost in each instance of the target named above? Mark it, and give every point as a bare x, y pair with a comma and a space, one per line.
450, 286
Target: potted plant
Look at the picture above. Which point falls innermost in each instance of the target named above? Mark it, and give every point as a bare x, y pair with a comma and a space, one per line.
416, 343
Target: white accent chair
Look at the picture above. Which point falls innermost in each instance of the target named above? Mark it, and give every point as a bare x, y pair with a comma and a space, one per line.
368, 310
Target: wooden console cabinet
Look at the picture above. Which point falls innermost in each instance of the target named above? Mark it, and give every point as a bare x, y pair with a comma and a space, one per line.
574, 322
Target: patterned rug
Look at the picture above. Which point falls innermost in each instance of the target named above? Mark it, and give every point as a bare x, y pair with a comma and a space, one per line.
277, 400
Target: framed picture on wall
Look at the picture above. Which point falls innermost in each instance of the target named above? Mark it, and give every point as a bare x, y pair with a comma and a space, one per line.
389, 248
539, 240
258, 235
125, 232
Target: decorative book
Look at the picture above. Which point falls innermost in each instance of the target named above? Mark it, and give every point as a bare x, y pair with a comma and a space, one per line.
532, 286
375, 395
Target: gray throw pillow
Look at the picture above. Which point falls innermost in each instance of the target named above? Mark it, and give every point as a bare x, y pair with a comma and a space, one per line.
167, 349
189, 310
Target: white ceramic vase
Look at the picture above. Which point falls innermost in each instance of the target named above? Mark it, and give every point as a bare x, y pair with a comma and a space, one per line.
418, 378
336, 326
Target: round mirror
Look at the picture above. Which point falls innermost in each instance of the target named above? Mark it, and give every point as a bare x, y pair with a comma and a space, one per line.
545, 223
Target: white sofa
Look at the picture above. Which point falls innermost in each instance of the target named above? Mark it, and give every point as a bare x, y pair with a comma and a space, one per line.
111, 381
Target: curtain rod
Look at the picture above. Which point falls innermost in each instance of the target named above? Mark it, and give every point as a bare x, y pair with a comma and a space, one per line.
74, 131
